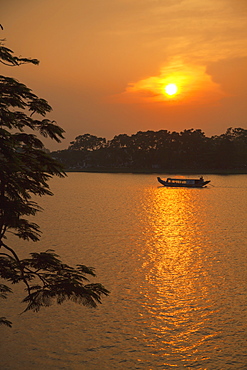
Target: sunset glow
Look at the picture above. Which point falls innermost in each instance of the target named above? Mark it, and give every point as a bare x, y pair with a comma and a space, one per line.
121, 56
177, 83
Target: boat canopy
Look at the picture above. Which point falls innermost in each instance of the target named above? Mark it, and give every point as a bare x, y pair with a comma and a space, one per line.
187, 181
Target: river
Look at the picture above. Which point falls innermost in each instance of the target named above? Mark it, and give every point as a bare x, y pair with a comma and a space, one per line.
174, 260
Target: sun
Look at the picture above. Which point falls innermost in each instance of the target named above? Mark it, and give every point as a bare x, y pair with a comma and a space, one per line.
171, 89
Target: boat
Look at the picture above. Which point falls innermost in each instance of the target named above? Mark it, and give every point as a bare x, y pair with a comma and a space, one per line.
187, 183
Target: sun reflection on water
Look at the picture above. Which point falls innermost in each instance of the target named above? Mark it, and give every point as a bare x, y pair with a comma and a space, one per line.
176, 290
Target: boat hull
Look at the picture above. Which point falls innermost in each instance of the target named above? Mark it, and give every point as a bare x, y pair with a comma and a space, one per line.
199, 184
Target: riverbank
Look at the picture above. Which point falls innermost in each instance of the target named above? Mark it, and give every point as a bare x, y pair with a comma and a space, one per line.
164, 171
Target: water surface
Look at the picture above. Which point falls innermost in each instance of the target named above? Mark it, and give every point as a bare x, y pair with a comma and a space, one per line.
174, 260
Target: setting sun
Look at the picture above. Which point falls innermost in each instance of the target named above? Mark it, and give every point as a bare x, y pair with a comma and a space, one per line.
171, 89
176, 83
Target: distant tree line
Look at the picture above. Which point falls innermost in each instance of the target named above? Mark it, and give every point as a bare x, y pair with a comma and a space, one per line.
189, 150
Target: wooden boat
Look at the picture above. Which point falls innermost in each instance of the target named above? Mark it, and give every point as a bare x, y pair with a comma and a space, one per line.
187, 183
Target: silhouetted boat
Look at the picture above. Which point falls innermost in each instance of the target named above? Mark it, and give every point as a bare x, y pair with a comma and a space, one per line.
187, 183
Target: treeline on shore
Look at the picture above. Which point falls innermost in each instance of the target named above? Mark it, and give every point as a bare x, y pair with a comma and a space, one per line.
158, 151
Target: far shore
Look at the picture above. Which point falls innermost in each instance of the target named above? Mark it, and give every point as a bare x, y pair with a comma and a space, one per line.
160, 172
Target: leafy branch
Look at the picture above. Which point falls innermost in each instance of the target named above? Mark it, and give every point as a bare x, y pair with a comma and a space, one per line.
25, 169
49, 280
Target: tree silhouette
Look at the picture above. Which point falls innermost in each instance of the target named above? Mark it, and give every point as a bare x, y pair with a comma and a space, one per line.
189, 150
25, 169
87, 142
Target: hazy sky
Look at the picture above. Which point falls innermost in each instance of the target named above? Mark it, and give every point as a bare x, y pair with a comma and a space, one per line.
104, 63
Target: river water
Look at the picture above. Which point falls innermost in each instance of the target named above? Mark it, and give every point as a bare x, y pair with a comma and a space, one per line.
174, 260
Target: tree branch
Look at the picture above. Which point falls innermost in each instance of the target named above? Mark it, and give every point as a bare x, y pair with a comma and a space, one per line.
19, 264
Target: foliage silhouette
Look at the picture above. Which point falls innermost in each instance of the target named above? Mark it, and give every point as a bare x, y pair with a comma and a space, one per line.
25, 168
189, 150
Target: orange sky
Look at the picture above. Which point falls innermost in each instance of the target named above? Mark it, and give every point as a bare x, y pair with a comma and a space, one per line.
105, 63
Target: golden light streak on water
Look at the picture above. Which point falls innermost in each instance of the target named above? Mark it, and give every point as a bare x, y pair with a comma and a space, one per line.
178, 298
